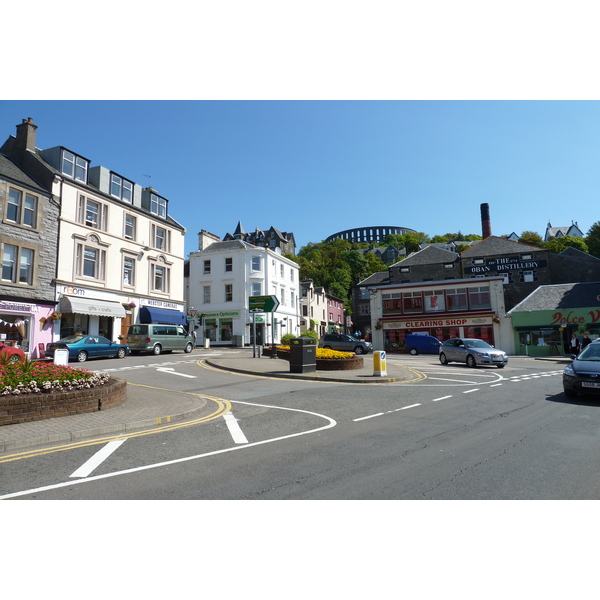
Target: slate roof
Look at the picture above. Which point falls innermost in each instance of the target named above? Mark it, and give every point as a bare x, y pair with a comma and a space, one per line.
10, 170
562, 296
381, 277
226, 245
576, 253
428, 256
493, 246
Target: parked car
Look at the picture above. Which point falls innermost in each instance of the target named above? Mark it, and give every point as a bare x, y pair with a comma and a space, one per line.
421, 344
82, 346
345, 343
583, 374
11, 353
158, 337
473, 352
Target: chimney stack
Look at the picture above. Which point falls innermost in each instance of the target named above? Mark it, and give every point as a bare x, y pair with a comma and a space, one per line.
26, 134
486, 225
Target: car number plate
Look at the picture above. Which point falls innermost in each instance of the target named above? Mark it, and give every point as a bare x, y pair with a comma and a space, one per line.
590, 384
53, 347
135, 339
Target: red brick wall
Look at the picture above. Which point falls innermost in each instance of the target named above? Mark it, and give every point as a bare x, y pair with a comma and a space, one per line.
33, 407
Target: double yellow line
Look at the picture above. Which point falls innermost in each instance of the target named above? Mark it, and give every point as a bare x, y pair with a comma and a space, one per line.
223, 406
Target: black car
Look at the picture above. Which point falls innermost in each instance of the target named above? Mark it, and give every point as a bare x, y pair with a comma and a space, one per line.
583, 374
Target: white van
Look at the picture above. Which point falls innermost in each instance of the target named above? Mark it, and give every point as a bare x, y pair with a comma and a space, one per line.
158, 338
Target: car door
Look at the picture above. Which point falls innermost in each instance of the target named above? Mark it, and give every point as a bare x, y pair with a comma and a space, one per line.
103, 346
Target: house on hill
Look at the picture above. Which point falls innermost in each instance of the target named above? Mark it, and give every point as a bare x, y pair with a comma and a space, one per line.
554, 232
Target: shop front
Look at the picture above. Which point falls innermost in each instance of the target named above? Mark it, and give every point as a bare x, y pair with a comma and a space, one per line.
26, 325
548, 332
89, 311
220, 327
544, 322
443, 328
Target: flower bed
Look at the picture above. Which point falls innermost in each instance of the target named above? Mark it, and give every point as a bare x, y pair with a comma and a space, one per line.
31, 391
327, 360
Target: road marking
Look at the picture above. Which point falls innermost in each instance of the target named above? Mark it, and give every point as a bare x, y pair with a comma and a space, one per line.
453, 380
411, 406
236, 431
368, 417
495, 385
56, 486
442, 398
469, 391
90, 465
173, 372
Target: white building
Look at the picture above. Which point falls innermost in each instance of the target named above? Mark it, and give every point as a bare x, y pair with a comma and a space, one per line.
223, 275
120, 255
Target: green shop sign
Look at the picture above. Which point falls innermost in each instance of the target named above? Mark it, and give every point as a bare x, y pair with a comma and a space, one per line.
224, 314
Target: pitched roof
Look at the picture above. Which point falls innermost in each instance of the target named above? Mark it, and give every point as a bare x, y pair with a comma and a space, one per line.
493, 245
10, 170
430, 255
381, 277
563, 296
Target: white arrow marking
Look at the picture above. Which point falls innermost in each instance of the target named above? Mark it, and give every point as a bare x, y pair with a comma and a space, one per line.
236, 431
87, 467
172, 372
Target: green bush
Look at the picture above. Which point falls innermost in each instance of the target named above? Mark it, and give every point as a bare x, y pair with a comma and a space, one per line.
309, 333
286, 339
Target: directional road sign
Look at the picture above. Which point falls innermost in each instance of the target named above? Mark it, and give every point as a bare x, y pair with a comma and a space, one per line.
263, 303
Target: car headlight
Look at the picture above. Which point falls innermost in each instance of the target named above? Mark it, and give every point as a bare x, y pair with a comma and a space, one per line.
484, 354
569, 371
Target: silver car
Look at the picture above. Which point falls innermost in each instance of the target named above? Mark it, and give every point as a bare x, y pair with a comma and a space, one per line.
472, 352
345, 343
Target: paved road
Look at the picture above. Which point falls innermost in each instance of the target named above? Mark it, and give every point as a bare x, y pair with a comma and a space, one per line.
457, 434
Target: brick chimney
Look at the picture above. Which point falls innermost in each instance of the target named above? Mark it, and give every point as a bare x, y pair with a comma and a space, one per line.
486, 225
26, 134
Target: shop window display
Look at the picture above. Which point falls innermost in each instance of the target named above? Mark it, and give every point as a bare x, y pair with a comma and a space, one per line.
14, 331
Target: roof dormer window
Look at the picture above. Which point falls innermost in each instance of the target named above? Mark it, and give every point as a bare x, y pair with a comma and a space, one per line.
158, 206
74, 166
121, 188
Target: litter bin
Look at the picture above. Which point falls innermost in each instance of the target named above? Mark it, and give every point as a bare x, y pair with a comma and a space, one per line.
303, 355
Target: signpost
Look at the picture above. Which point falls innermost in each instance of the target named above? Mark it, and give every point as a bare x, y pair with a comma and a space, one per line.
263, 304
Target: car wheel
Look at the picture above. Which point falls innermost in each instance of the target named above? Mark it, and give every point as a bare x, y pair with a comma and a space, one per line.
569, 393
327, 347
358, 350
471, 361
443, 359
414, 351
157, 349
121, 353
188, 348
82, 356
500, 366
15, 358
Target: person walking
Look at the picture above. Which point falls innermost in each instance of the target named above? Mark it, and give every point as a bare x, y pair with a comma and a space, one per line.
574, 346
586, 340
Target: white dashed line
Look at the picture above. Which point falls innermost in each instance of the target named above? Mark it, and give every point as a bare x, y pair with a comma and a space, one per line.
469, 391
442, 398
368, 417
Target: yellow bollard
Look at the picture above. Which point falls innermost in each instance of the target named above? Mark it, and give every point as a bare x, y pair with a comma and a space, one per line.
379, 364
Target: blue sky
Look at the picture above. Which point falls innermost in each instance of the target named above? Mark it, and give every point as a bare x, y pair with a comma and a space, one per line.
317, 167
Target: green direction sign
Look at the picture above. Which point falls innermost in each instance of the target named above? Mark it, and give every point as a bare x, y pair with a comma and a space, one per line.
262, 303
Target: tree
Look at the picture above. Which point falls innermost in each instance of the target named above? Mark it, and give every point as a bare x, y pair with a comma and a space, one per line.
532, 238
558, 244
593, 239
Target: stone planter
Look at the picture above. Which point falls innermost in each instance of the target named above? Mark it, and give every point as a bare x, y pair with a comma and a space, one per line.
34, 407
340, 364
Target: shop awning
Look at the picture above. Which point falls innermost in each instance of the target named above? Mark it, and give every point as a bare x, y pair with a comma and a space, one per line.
91, 306
151, 314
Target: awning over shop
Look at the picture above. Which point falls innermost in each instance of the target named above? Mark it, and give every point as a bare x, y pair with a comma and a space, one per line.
91, 306
151, 314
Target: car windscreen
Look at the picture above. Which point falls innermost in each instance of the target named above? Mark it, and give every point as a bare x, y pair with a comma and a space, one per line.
72, 339
476, 344
591, 352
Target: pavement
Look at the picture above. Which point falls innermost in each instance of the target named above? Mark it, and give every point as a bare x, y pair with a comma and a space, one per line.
148, 408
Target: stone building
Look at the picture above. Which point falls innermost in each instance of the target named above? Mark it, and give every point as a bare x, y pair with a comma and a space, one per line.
28, 245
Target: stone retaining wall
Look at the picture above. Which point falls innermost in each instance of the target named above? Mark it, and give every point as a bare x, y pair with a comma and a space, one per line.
33, 407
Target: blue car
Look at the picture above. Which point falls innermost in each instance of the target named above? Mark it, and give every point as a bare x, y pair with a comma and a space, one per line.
82, 346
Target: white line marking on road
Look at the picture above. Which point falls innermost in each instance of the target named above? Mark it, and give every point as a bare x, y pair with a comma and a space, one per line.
91, 464
56, 486
495, 385
453, 380
172, 371
368, 417
442, 398
236, 431
469, 391
411, 406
